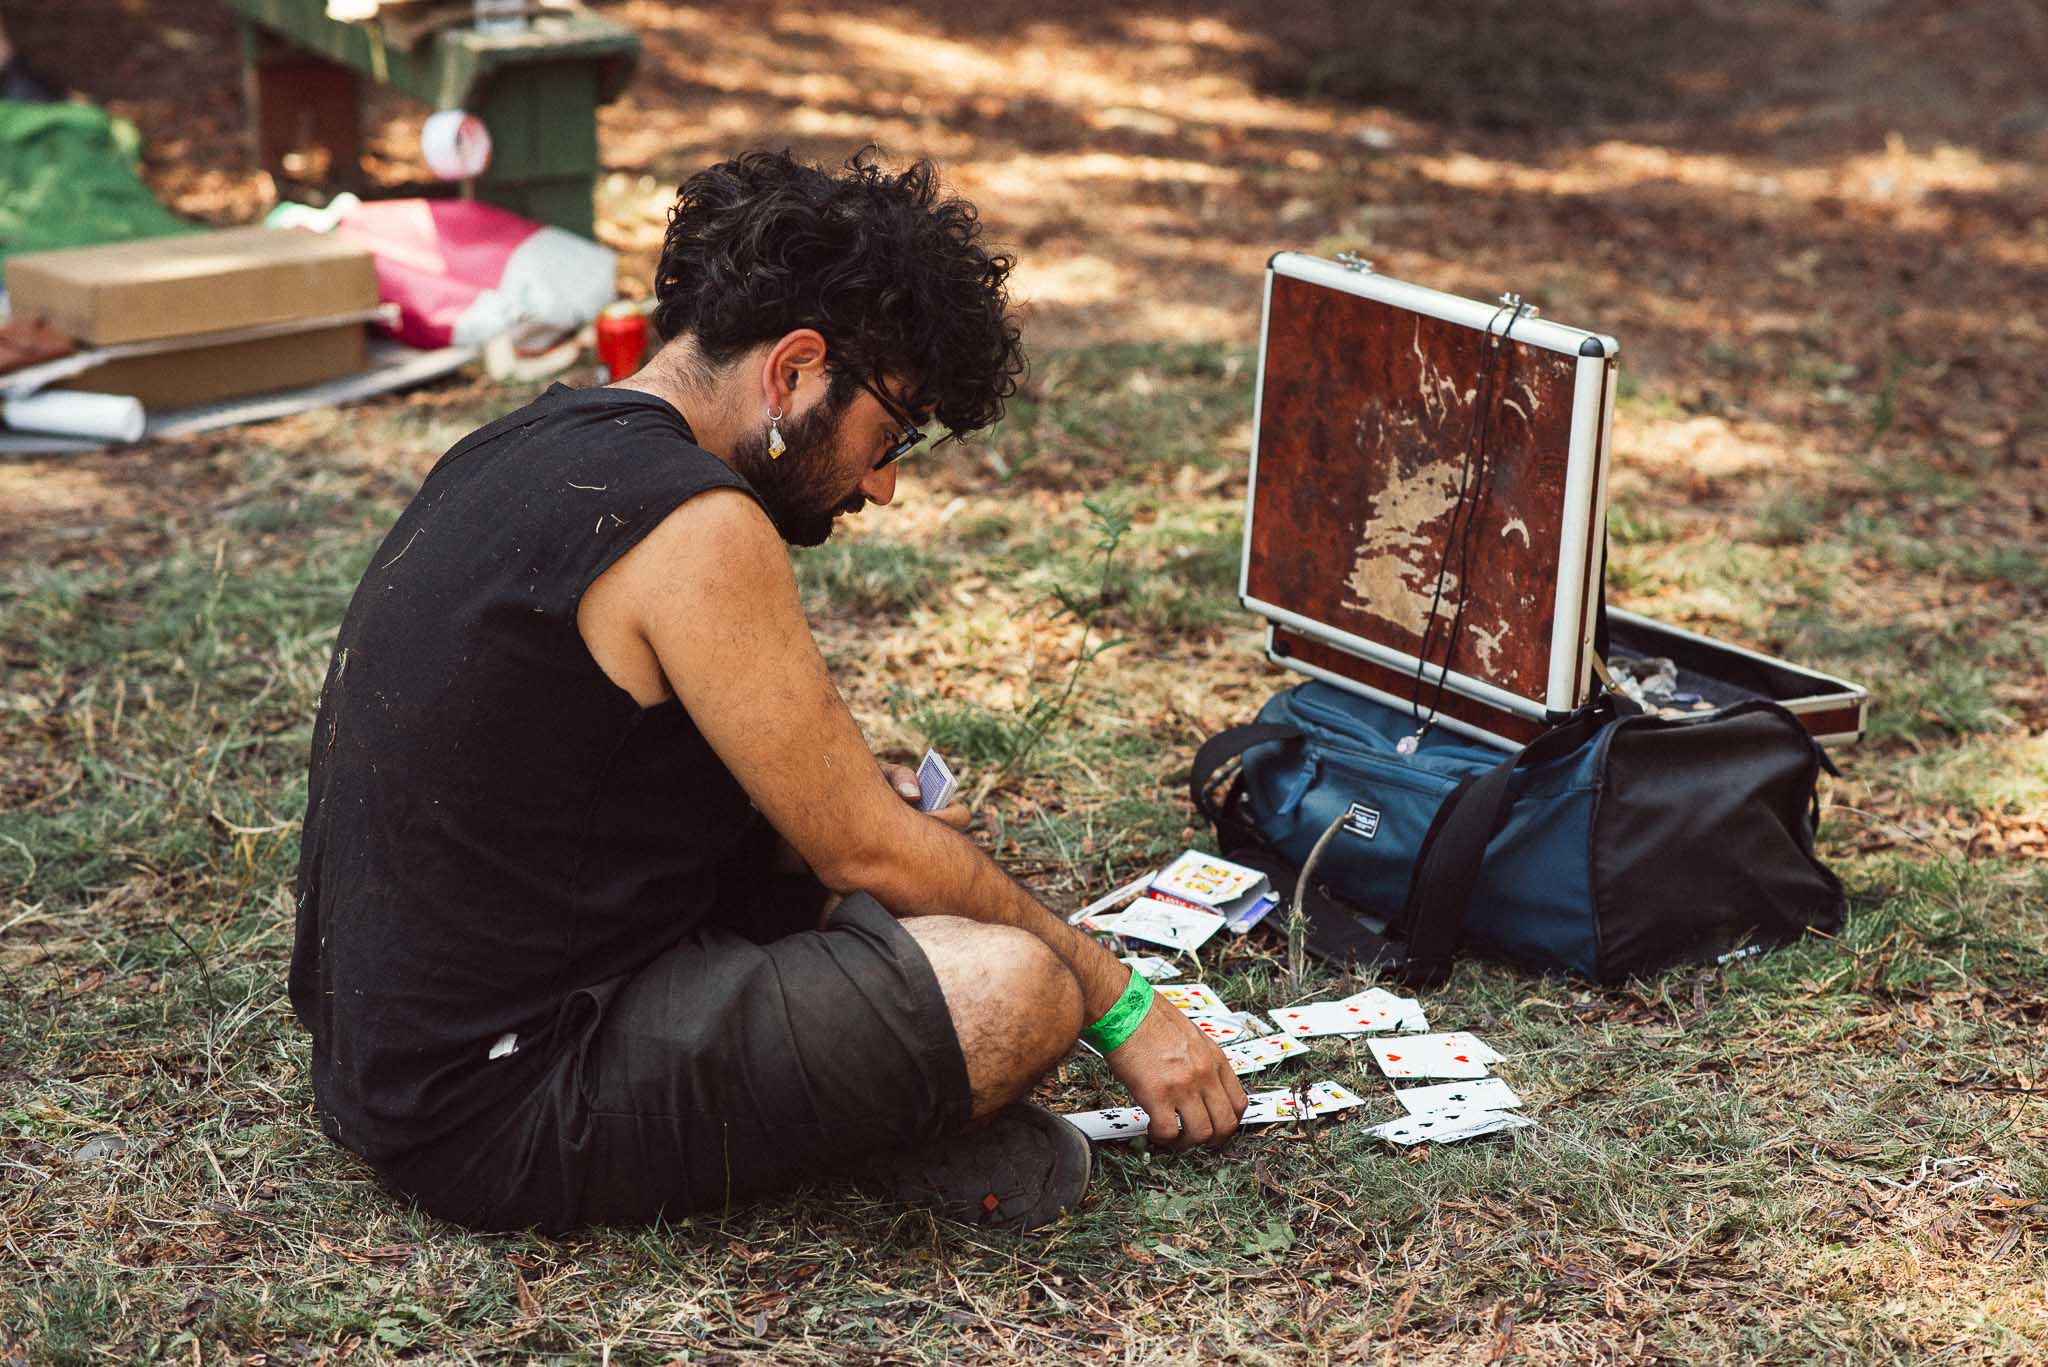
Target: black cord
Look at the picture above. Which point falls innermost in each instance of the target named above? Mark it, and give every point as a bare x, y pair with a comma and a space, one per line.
1473, 470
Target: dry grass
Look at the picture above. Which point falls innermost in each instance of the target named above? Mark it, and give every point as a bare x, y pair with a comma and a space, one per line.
1831, 443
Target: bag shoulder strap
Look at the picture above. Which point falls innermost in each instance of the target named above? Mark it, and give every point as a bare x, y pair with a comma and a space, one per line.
1219, 750
1441, 891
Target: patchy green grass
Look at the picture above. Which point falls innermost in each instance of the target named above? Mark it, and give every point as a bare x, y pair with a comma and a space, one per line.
868, 576
1102, 410
1832, 1153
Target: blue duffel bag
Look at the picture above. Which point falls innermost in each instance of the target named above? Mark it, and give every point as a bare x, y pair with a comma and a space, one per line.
1617, 844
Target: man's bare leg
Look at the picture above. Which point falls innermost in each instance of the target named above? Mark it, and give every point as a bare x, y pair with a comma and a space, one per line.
1016, 1008
1015, 1005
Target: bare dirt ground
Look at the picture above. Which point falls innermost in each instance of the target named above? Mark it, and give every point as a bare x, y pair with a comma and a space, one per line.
1819, 229
1736, 195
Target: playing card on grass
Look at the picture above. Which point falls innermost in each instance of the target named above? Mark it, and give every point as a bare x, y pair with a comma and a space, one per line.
1159, 923
1221, 1029
1266, 1108
1456, 1054
1194, 999
1150, 967
1205, 879
1247, 1056
1110, 899
1481, 1094
1444, 1127
1325, 1097
1121, 1122
1253, 1023
1384, 1010
1322, 1018
1251, 1055
935, 783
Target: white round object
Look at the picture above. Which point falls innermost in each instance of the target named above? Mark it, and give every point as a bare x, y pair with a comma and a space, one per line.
500, 16
455, 144
75, 413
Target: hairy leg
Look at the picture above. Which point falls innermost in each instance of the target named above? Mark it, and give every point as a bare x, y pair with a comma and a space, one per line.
1015, 1006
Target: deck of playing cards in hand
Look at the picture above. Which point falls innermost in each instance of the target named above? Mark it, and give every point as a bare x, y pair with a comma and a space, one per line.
935, 783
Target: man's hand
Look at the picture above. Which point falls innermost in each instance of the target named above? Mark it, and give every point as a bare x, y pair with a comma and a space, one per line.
1181, 1079
904, 780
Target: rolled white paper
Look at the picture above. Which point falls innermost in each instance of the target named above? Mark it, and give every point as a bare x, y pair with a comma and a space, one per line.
74, 413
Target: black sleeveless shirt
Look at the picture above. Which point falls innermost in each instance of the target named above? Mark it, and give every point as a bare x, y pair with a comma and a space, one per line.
491, 822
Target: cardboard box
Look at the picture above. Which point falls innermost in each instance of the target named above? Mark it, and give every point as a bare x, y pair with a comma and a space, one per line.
202, 374
178, 286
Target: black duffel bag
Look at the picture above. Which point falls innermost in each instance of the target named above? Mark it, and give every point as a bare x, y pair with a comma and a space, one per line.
1618, 844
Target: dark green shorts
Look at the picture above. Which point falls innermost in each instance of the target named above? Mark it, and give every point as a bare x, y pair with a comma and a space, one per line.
729, 1066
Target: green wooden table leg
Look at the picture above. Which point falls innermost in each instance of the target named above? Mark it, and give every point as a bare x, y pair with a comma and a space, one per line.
543, 144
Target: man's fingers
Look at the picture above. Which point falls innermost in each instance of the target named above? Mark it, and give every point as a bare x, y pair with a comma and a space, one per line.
957, 816
1223, 1116
902, 779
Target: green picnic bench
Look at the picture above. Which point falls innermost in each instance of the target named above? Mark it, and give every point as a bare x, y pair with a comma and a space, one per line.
536, 90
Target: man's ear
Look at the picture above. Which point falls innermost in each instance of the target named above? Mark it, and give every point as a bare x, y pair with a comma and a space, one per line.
793, 372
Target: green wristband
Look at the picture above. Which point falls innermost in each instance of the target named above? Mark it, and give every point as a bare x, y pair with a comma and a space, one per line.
1121, 1021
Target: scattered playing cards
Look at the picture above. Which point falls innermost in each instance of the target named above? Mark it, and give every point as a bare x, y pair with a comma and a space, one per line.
1444, 1127
1243, 896
1486, 1093
1266, 1108
1181, 908
1221, 1029
1159, 923
1325, 1097
1323, 1018
1387, 1011
1253, 1055
1251, 1023
935, 783
1108, 900
1194, 999
1456, 1054
1121, 1122
1206, 879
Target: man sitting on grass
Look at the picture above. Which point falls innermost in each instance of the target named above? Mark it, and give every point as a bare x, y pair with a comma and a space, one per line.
605, 910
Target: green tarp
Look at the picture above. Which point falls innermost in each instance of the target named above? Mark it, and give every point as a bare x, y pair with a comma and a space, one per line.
67, 179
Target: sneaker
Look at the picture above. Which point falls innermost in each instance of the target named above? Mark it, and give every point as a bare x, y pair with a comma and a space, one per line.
1018, 1171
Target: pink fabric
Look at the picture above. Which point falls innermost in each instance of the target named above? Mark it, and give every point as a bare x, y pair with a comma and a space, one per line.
434, 257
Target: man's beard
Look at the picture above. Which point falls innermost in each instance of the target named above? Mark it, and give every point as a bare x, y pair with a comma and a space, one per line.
789, 485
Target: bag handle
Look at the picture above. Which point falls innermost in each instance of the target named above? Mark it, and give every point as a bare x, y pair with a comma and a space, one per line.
1223, 747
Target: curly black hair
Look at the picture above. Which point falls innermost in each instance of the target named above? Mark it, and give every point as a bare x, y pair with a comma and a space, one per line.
894, 277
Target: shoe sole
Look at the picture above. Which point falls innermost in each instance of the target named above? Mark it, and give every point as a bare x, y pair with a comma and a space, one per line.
1019, 1171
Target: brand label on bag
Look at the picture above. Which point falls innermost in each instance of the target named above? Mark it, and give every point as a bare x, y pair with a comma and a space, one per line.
1362, 821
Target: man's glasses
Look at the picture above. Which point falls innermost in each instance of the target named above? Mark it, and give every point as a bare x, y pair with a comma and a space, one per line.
902, 444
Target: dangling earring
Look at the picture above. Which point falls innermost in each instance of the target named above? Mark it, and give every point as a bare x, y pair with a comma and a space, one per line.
776, 445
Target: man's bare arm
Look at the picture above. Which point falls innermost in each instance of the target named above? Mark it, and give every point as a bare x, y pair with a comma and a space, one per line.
712, 593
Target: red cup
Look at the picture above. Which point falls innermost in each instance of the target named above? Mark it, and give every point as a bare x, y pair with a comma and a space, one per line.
621, 339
